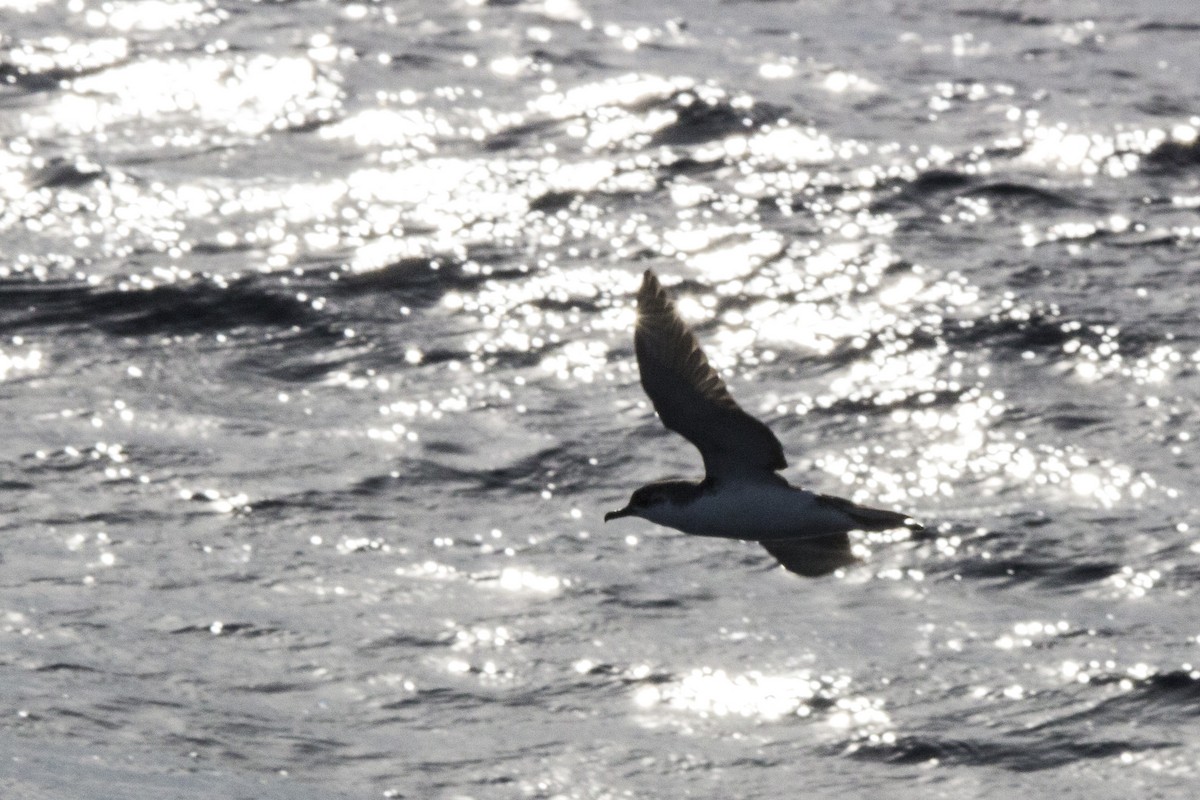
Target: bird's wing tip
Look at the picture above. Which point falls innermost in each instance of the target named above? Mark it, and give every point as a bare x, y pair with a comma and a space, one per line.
651, 297
650, 283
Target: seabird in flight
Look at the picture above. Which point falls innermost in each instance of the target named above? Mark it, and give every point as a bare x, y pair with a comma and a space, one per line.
742, 495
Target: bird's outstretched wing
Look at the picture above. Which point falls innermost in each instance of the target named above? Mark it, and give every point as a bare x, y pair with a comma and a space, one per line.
689, 396
814, 556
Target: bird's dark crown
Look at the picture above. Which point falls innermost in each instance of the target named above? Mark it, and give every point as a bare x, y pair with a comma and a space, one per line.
657, 493
674, 491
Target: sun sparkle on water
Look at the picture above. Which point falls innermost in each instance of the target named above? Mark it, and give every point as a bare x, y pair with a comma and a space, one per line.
715, 693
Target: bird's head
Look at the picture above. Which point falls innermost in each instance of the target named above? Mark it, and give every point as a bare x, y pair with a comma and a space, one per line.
652, 498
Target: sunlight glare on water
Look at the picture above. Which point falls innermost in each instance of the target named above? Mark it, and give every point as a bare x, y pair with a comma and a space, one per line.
317, 361
23, 361
151, 15
709, 692
247, 97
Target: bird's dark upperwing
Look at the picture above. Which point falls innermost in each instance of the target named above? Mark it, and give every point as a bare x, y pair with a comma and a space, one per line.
689, 396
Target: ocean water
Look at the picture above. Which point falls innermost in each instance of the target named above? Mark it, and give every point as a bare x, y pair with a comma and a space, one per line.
316, 378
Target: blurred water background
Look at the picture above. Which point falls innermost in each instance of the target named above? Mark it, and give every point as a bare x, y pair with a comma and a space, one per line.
316, 378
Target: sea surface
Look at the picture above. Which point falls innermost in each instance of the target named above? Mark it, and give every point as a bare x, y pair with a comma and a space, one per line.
317, 378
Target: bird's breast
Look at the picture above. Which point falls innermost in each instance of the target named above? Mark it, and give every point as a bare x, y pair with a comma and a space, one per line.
753, 511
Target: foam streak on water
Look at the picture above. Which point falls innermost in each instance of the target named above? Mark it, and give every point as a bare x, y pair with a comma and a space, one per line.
317, 378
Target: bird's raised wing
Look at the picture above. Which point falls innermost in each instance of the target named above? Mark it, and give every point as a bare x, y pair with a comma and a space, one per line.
689, 396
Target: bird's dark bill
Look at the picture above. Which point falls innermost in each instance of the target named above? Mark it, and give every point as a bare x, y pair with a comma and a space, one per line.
623, 512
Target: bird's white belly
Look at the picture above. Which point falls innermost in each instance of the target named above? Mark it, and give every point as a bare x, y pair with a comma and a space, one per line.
754, 511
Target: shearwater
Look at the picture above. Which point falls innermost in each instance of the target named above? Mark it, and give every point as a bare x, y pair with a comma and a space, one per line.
742, 496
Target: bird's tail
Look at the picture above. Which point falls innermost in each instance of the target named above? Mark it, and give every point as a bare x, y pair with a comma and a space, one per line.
872, 519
